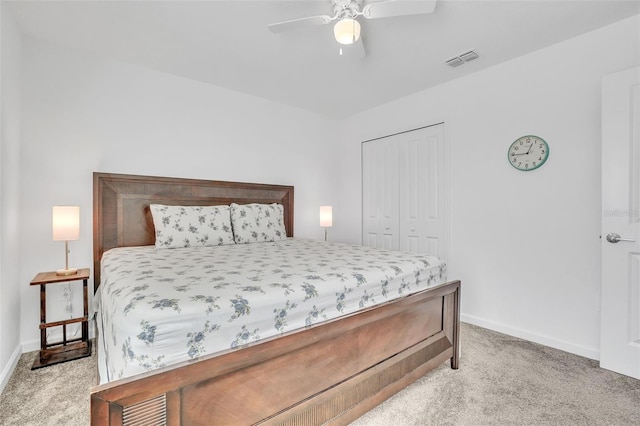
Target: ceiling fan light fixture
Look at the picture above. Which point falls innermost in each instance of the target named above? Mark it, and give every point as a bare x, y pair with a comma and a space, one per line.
347, 31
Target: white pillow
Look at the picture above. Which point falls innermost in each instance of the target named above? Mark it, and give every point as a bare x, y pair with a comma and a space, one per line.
254, 223
191, 226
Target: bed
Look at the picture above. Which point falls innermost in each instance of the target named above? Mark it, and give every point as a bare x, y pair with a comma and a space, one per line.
327, 371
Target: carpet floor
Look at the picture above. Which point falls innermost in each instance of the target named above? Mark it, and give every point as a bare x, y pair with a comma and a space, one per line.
502, 380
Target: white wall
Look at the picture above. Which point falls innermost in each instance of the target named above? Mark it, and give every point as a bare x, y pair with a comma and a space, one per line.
84, 114
525, 245
10, 284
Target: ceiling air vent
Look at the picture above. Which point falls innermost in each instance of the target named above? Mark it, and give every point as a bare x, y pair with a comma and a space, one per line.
454, 62
467, 56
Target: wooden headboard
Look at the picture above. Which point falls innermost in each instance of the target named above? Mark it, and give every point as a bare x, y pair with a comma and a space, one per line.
122, 218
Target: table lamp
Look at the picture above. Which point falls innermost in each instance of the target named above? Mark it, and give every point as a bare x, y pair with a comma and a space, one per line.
66, 227
326, 218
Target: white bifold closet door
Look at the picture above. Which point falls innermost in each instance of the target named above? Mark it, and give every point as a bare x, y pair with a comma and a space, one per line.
380, 191
405, 192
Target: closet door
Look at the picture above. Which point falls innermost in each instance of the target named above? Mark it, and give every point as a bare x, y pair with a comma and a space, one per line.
404, 192
380, 194
422, 190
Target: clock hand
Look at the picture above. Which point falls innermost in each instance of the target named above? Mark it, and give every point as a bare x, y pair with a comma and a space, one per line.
529, 148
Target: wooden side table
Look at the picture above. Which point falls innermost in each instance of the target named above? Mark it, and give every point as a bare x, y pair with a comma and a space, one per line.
67, 349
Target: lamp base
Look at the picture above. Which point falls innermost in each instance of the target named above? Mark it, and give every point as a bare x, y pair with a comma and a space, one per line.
66, 271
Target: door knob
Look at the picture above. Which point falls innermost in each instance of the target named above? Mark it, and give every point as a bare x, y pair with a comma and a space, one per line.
614, 238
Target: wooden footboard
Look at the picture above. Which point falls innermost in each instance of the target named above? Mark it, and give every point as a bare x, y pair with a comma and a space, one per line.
330, 373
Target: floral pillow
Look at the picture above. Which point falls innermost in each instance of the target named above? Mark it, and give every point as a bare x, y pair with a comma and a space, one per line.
191, 226
254, 223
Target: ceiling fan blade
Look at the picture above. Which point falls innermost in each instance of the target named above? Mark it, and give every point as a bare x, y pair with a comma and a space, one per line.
296, 24
389, 8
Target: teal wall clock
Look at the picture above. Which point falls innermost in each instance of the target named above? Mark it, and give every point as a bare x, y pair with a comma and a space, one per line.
528, 153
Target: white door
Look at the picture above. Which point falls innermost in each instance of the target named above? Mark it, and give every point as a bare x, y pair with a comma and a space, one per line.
380, 194
404, 192
620, 305
423, 192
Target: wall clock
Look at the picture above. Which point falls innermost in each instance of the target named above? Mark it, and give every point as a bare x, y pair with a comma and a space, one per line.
528, 153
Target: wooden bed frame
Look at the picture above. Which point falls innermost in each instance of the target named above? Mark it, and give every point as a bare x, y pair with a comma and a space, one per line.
330, 373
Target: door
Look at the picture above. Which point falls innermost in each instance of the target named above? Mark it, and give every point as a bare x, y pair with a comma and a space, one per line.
380, 194
620, 295
404, 192
422, 192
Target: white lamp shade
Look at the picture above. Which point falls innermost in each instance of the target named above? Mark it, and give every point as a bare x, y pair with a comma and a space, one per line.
66, 223
326, 216
347, 31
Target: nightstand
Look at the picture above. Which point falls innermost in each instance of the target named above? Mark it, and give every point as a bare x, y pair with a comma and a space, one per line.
67, 349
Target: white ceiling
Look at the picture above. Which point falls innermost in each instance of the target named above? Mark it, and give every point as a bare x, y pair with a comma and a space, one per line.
226, 43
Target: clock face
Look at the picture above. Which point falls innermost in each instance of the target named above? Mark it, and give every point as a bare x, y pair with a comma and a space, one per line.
528, 153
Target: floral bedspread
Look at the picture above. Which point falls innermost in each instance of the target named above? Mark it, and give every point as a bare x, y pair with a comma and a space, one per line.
159, 307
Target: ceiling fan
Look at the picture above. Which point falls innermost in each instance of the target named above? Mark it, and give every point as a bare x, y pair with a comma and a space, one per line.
346, 12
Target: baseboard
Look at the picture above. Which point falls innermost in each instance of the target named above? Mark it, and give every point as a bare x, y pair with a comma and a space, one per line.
591, 353
30, 346
7, 371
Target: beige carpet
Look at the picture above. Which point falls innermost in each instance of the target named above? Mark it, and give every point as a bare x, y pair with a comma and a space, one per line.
56, 395
501, 381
